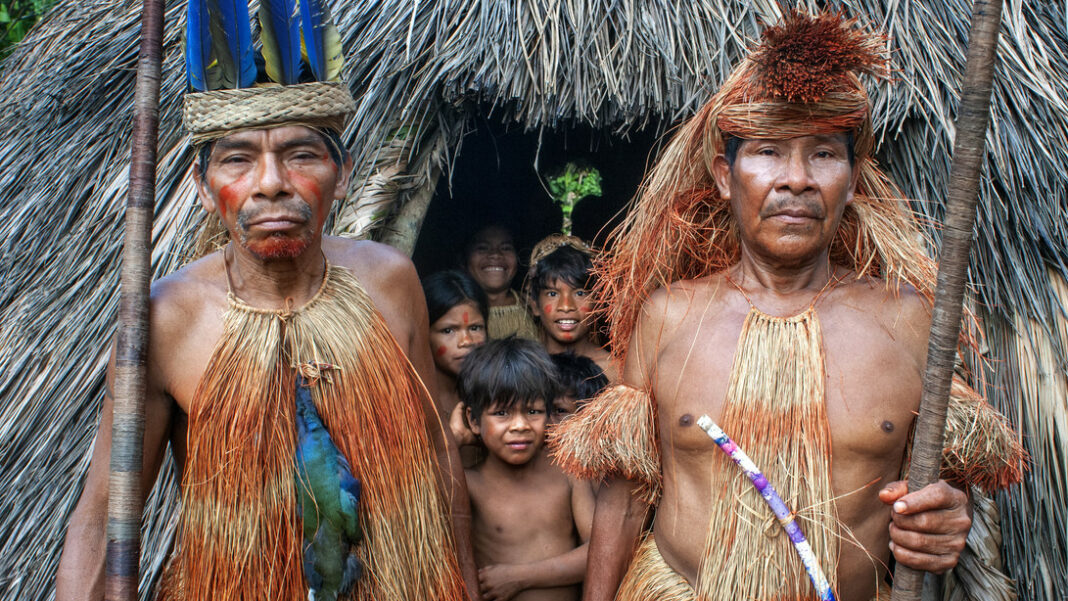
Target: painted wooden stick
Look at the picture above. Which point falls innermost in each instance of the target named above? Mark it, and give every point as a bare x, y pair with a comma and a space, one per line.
125, 497
961, 199
778, 507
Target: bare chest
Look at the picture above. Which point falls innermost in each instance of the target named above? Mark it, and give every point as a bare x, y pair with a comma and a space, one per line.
871, 384
520, 519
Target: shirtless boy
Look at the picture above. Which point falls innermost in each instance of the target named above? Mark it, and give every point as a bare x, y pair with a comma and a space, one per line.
531, 523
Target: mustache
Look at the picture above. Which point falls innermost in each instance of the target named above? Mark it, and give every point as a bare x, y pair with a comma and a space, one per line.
810, 207
293, 207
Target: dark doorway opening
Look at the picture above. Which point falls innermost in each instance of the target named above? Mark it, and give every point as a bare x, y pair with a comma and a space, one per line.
498, 178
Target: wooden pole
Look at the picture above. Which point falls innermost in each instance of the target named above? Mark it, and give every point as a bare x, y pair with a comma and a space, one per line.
961, 199
125, 497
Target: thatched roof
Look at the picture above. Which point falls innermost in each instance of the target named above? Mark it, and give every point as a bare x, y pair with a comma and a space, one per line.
420, 69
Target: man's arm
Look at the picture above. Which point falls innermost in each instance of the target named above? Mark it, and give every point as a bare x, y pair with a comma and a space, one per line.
452, 471
80, 575
619, 516
617, 526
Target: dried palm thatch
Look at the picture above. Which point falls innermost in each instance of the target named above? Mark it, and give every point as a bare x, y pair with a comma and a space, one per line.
424, 68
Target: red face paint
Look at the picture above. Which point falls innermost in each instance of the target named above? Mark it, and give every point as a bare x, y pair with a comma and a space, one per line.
441, 351
567, 336
278, 247
467, 318
229, 198
547, 309
584, 308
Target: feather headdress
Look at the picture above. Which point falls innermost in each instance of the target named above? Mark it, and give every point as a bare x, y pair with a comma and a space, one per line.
301, 78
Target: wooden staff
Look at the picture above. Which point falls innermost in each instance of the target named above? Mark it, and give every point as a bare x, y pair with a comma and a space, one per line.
125, 497
961, 199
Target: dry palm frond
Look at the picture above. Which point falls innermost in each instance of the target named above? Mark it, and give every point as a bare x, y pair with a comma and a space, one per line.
618, 65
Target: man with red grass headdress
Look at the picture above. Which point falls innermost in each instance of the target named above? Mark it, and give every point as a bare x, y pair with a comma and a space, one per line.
284, 369
770, 277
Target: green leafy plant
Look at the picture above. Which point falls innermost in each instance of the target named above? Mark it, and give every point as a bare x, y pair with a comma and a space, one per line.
570, 185
16, 19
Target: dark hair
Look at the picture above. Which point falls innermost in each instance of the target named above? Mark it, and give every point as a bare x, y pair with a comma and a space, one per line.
507, 372
446, 289
579, 375
565, 263
338, 152
469, 243
732, 143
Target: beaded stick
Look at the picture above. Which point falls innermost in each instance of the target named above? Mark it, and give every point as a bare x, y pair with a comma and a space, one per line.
778, 507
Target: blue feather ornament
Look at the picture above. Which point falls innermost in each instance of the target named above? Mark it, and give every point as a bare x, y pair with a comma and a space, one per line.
231, 39
321, 41
199, 57
280, 33
329, 499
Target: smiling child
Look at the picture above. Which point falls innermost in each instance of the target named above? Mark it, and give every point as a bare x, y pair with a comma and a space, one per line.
559, 283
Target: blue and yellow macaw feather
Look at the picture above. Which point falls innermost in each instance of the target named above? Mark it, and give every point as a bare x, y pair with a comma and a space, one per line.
280, 34
231, 39
321, 41
199, 58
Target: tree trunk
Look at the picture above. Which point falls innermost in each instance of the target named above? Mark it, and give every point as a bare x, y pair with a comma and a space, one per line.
125, 497
961, 199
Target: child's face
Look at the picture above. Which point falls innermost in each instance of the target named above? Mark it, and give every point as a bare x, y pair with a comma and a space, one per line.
491, 259
563, 311
454, 334
512, 435
562, 407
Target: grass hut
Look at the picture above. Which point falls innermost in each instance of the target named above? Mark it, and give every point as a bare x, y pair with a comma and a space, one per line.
424, 73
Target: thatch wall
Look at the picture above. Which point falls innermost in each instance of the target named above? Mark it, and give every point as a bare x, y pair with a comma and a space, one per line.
419, 70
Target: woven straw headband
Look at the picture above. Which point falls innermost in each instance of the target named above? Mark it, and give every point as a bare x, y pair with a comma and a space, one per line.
213, 115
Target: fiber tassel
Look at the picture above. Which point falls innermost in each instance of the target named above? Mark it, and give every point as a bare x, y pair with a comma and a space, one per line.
981, 447
775, 411
615, 435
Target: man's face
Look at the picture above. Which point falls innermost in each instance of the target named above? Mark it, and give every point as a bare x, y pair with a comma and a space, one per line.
272, 188
787, 196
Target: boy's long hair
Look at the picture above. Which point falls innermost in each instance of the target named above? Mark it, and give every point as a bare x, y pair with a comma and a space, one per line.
507, 372
579, 375
566, 264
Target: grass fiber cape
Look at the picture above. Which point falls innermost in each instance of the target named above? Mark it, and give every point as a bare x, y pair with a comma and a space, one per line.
240, 535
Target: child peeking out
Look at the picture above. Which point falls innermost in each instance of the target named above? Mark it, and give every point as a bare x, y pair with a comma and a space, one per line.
457, 308
580, 380
530, 523
558, 284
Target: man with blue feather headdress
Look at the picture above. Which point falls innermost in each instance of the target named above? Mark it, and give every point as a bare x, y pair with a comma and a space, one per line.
284, 369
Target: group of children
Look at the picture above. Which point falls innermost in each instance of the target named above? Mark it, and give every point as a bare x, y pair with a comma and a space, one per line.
531, 523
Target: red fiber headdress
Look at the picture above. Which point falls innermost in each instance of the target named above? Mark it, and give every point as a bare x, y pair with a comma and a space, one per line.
803, 78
